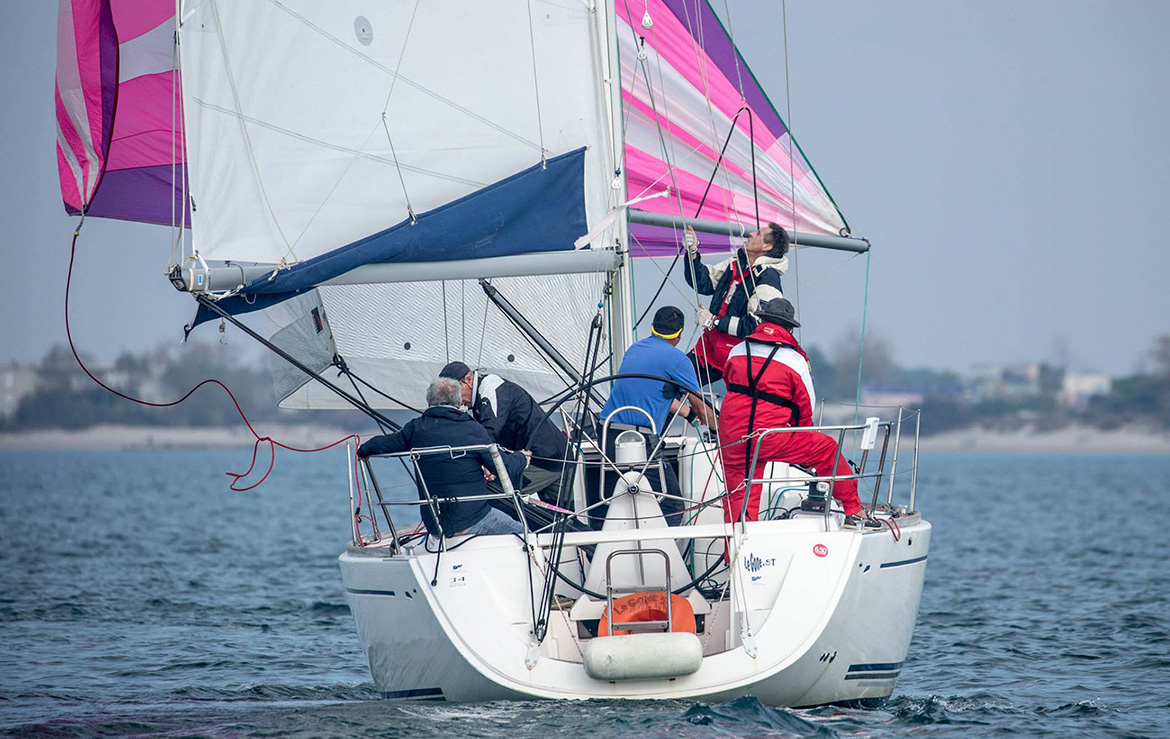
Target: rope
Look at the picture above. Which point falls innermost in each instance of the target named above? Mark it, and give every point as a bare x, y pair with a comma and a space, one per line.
236, 476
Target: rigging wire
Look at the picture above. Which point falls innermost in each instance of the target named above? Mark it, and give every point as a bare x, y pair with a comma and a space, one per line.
535, 86
698, 210
375, 390
446, 337
791, 163
227, 65
175, 232
386, 107
698, 42
347, 47
731, 35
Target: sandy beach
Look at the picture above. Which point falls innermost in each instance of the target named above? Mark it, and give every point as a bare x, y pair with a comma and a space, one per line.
1071, 440
169, 437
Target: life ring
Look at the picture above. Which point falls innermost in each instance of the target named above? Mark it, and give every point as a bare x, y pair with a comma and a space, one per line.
649, 607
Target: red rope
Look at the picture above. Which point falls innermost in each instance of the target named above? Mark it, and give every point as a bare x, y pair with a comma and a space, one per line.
895, 529
236, 476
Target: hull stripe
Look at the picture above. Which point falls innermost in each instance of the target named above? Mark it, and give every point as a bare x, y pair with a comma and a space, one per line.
904, 562
872, 676
877, 667
356, 591
415, 693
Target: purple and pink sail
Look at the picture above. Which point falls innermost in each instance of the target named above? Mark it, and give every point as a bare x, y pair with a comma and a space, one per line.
119, 115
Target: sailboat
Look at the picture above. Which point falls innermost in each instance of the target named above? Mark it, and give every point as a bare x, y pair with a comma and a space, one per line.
374, 189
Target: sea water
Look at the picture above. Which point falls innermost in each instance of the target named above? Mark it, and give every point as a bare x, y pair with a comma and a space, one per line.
139, 596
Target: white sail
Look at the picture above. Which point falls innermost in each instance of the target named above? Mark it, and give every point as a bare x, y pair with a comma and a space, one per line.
401, 348
312, 124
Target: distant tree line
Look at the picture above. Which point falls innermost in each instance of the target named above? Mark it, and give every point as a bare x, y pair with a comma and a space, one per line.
1143, 396
66, 398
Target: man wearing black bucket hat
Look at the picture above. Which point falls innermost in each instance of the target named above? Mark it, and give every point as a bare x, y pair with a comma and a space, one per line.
769, 385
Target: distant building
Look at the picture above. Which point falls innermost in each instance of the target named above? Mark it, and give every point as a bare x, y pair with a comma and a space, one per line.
16, 381
1005, 382
908, 394
1078, 387
891, 397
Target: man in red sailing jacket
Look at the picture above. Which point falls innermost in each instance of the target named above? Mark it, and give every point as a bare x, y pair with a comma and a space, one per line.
768, 386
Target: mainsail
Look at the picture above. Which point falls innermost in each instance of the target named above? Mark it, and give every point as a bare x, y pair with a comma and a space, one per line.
315, 140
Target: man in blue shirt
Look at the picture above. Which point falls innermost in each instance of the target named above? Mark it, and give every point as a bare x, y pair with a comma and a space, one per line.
659, 356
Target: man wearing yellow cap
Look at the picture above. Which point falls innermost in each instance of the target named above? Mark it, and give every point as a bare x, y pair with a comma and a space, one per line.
658, 355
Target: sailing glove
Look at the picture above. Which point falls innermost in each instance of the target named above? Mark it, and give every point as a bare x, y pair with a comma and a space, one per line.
690, 242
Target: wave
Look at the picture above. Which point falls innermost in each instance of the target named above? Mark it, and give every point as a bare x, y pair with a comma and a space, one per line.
276, 692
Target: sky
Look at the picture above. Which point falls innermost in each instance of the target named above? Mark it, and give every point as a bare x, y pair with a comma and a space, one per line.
1008, 161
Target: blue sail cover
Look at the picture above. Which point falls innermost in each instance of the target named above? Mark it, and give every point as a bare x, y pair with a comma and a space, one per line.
539, 209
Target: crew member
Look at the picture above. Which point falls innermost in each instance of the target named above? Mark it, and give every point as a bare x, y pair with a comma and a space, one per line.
769, 385
737, 287
450, 476
516, 421
657, 355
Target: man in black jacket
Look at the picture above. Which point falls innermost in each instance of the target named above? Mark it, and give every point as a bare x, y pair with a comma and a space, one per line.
737, 286
513, 417
452, 476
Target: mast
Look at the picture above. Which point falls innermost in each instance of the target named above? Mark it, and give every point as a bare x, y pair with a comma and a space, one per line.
621, 304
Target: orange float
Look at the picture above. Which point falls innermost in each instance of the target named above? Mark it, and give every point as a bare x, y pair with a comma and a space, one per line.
641, 607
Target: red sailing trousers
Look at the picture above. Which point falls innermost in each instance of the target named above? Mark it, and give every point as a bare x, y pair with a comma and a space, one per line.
806, 448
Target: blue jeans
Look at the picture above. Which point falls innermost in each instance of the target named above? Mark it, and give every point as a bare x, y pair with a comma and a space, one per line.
494, 522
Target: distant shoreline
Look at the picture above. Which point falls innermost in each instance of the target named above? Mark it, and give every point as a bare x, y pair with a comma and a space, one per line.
1070, 440
114, 437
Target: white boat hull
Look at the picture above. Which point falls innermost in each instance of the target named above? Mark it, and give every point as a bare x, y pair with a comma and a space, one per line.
829, 619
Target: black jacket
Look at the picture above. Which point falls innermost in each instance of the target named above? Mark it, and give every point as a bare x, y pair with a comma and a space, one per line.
448, 477
762, 283
510, 415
